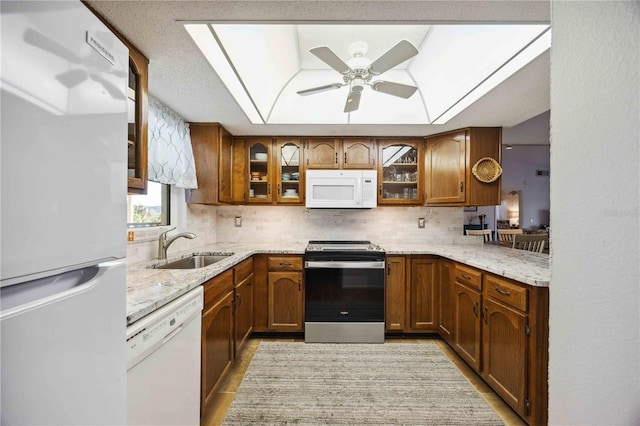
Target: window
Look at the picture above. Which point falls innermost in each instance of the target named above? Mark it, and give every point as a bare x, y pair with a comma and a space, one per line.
151, 209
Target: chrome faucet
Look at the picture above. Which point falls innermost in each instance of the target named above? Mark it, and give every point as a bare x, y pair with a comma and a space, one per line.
164, 242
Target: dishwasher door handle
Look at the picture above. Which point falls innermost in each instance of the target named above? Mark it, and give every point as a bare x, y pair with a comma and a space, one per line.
172, 334
345, 264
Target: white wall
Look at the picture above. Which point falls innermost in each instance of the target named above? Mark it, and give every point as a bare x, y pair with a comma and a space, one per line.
594, 345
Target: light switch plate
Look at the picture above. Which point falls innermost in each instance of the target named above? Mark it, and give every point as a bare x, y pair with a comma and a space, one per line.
421, 222
238, 221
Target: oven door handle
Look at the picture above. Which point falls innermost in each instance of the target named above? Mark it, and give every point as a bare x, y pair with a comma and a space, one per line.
336, 264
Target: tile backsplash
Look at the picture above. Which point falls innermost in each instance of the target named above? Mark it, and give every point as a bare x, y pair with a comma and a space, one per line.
380, 225
298, 224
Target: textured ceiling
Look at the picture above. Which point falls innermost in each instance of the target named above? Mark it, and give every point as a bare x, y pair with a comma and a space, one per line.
181, 77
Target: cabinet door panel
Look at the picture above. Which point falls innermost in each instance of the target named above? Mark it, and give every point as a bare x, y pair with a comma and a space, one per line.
225, 189
400, 175
445, 300
322, 154
505, 352
422, 295
243, 317
395, 294
358, 154
446, 168
260, 178
217, 346
285, 301
467, 325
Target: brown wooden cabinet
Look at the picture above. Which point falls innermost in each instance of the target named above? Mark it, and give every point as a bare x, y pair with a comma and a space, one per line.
358, 153
445, 167
289, 171
217, 334
400, 174
507, 359
467, 339
445, 301
410, 294
501, 331
260, 172
213, 156
422, 294
285, 289
243, 279
347, 153
449, 160
395, 293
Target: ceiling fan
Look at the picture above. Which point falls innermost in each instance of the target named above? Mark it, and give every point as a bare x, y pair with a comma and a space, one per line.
359, 70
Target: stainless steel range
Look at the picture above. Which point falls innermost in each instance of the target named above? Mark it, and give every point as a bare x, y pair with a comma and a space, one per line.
344, 292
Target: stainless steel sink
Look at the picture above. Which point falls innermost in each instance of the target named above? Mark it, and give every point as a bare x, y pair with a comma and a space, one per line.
193, 262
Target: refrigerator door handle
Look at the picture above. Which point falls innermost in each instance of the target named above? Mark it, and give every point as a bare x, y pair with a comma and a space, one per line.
21, 298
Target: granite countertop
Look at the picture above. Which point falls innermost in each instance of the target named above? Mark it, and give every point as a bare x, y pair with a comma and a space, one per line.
148, 289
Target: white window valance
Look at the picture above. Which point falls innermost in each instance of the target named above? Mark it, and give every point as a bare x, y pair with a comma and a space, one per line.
170, 152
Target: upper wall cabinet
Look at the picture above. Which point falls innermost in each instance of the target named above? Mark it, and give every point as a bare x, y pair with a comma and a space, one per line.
213, 156
289, 171
449, 160
348, 153
400, 175
260, 179
138, 102
137, 109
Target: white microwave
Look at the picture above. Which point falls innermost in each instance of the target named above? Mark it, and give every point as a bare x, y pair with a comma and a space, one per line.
341, 189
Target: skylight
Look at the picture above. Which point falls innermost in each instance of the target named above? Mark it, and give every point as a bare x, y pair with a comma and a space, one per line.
264, 66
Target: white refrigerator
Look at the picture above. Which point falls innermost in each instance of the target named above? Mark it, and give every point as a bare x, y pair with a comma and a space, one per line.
63, 152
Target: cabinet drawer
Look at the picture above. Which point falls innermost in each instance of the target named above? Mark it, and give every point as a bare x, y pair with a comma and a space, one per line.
242, 270
217, 286
507, 292
285, 263
469, 276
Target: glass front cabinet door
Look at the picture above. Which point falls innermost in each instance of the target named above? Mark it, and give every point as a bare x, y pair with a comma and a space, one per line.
399, 174
259, 152
289, 174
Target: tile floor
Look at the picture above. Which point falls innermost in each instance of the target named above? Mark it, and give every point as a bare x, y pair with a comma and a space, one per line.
231, 382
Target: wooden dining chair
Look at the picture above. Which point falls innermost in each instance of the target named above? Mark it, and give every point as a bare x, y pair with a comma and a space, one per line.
506, 235
530, 242
486, 233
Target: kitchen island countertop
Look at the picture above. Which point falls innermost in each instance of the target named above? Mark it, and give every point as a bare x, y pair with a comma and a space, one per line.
148, 288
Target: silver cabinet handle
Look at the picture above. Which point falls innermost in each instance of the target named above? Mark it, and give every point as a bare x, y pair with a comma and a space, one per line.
503, 292
344, 265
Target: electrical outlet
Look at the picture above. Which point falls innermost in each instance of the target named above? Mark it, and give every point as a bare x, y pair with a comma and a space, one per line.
238, 221
421, 222
130, 236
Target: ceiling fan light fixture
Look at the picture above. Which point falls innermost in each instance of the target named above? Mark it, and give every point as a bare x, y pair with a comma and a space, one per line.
356, 86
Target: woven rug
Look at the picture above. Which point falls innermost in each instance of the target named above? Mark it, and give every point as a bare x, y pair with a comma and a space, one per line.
356, 384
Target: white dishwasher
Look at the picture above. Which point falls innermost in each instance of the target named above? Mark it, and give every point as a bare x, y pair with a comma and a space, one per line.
163, 364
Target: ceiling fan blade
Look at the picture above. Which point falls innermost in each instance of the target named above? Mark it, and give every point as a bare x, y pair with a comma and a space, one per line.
327, 56
353, 102
395, 89
319, 89
45, 43
72, 78
394, 56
